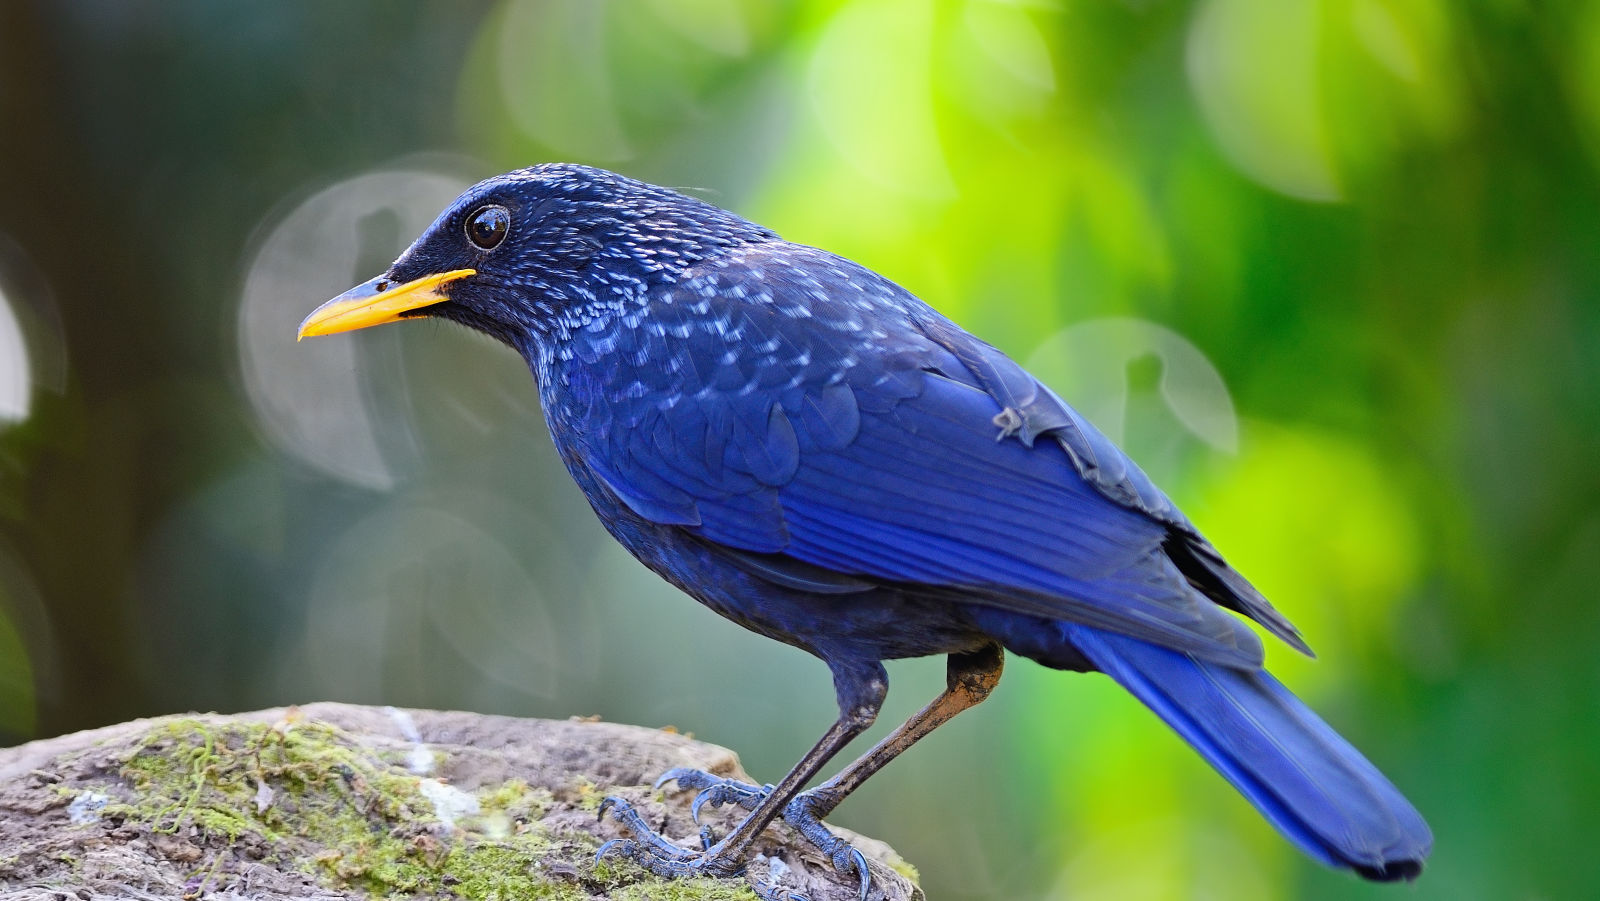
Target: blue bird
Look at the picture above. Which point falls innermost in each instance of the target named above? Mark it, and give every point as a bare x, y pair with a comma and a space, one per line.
812, 452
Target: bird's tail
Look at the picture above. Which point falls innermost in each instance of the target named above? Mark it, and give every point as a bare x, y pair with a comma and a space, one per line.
1303, 777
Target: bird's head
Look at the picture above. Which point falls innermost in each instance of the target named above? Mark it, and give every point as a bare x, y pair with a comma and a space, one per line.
521, 255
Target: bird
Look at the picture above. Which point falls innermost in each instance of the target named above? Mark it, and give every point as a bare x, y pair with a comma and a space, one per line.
809, 450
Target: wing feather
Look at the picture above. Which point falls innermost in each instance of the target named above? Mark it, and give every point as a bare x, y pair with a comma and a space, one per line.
821, 453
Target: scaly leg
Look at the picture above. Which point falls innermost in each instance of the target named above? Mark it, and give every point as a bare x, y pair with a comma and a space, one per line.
969, 678
861, 689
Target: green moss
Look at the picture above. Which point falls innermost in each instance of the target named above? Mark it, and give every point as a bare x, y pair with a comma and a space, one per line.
469, 869
184, 774
356, 820
686, 890
627, 881
374, 827
506, 807
588, 795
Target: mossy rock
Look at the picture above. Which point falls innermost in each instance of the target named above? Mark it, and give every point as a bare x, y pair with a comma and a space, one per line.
335, 800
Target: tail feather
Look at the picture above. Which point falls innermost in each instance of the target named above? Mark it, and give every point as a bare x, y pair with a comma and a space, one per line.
1205, 569
1304, 778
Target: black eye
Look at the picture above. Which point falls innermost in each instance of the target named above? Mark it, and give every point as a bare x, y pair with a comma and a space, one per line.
487, 226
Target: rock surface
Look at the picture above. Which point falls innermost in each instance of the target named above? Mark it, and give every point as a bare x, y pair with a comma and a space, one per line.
342, 801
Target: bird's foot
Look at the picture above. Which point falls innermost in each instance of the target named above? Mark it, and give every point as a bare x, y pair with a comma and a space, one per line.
714, 790
804, 814
652, 851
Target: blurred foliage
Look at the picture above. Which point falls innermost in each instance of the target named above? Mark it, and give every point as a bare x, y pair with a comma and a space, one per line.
1376, 219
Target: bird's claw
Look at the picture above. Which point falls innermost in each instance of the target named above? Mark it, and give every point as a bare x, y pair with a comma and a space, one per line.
626, 845
686, 777
801, 813
729, 792
804, 813
714, 790
860, 862
853, 860
649, 849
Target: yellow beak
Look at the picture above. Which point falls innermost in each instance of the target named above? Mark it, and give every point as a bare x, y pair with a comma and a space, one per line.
376, 302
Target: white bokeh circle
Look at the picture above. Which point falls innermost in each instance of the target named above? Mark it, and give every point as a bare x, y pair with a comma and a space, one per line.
16, 383
1088, 361
307, 395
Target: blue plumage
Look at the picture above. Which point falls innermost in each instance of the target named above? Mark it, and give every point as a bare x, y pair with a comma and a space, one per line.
813, 452
1307, 780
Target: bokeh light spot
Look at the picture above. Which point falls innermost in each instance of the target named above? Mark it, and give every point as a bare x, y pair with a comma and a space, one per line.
308, 395
411, 584
1010, 38
1253, 67
1090, 363
16, 385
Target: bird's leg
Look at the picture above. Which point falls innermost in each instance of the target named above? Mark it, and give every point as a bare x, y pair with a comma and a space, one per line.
861, 689
969, 678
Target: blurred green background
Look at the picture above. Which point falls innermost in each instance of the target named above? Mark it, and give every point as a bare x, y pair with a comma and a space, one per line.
1329, 268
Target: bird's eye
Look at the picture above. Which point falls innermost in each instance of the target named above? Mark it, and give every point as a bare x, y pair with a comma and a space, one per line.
487, 226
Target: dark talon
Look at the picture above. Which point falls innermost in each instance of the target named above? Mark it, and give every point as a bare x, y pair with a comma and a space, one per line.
653, 851
679, 774
690, 779
801, 813
728, 792
714, 790
629, 849
860, 861
699, 802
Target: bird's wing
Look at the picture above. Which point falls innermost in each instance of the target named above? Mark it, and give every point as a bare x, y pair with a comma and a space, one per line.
830, 444
1030, 410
